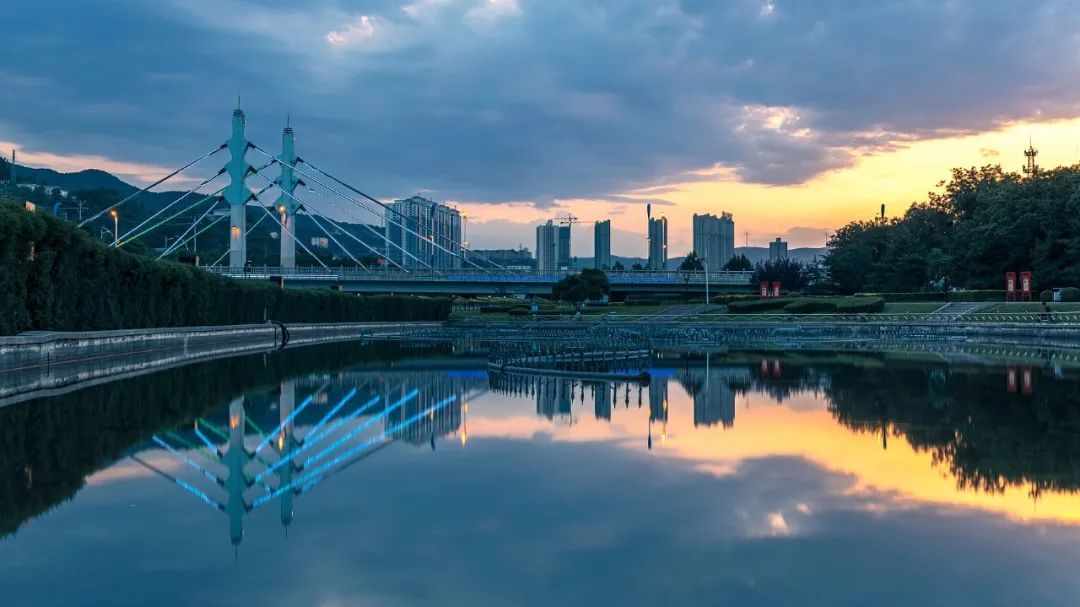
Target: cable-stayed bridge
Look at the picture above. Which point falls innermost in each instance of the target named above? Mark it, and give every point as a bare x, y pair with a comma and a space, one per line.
283, 186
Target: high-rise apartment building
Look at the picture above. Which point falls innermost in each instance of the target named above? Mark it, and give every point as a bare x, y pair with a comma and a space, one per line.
714, 239
602, 244
423, 233
658, 244
777, 249
546, 248
562, 252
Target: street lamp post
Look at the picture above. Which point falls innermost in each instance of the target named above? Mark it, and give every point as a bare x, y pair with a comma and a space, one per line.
116, 227
705, 261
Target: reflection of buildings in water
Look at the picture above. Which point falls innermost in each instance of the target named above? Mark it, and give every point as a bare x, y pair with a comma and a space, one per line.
714, 399
714, 403
658, 398
553, 397
602, 395
658, 407
427, 428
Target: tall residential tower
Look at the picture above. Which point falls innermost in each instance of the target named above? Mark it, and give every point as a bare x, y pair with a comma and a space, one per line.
658, 244
422, 233
714, 239
602, 244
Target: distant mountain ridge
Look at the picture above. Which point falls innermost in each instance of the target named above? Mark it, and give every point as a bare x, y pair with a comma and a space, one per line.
89, 179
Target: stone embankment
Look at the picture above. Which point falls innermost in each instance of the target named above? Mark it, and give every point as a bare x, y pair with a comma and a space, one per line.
40, 363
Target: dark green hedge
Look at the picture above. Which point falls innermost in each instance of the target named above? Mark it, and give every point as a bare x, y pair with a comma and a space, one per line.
55, 277
811, 306
853, 305
987, 295
907, 297
751, 306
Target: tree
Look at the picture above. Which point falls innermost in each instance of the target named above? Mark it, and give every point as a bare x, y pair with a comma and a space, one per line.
982, 223
589, 285
618, 267
692, 263
637, 267
739, 263
790, 273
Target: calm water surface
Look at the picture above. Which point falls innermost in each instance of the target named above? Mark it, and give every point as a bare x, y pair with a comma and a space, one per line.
391, 476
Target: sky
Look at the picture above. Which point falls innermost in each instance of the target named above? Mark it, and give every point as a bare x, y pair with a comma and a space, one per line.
796, 117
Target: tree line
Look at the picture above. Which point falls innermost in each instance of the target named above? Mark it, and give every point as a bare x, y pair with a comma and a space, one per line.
983, 223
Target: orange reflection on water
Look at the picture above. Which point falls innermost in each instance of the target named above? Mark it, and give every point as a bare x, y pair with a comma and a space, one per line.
801, 427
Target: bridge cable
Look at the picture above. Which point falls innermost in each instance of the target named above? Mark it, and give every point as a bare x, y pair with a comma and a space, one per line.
316, 476
295, 239
168, 206
389, 216
311, 213
180, 240
246, 232
210, 196
386, 218
361, 221
371, 229
392, 210
346, 211
152, 185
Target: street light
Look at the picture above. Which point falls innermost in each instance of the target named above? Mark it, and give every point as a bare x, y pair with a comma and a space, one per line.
705, 262
116, 227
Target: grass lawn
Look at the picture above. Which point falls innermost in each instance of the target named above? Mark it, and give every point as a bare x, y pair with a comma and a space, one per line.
1028, 307
912, 307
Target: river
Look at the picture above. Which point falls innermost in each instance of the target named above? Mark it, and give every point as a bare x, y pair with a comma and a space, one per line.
396, 474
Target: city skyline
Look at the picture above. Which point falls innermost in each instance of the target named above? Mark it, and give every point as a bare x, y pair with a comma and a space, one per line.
774, 132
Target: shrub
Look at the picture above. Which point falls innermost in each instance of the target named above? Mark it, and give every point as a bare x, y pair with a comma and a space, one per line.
1046, 296
986, 295
724, 300
643, 302
863, 305
493, 309
519, 312
758, 305
1070, 294
811, 306
73, 282
906, 297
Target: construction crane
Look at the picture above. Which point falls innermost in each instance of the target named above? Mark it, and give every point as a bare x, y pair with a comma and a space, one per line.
569, 220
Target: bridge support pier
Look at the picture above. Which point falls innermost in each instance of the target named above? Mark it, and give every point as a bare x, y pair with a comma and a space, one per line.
287, 206
236, 194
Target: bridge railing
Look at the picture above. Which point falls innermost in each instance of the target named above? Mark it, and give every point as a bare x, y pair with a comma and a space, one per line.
352, 274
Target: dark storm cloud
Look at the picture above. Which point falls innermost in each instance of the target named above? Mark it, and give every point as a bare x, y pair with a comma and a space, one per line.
539, 99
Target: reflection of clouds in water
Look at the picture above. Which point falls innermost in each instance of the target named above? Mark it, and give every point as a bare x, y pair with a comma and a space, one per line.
541, 523
129, 470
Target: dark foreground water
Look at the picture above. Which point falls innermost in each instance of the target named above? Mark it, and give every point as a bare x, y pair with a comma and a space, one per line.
389, 476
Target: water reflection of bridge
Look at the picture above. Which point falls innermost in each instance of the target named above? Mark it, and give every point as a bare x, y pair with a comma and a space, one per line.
247, 457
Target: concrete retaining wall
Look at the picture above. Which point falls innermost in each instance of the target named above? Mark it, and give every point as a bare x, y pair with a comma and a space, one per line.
39, 363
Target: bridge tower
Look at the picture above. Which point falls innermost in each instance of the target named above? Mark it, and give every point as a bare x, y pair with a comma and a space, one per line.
236, 459
286, 443
236, 194
287, 205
